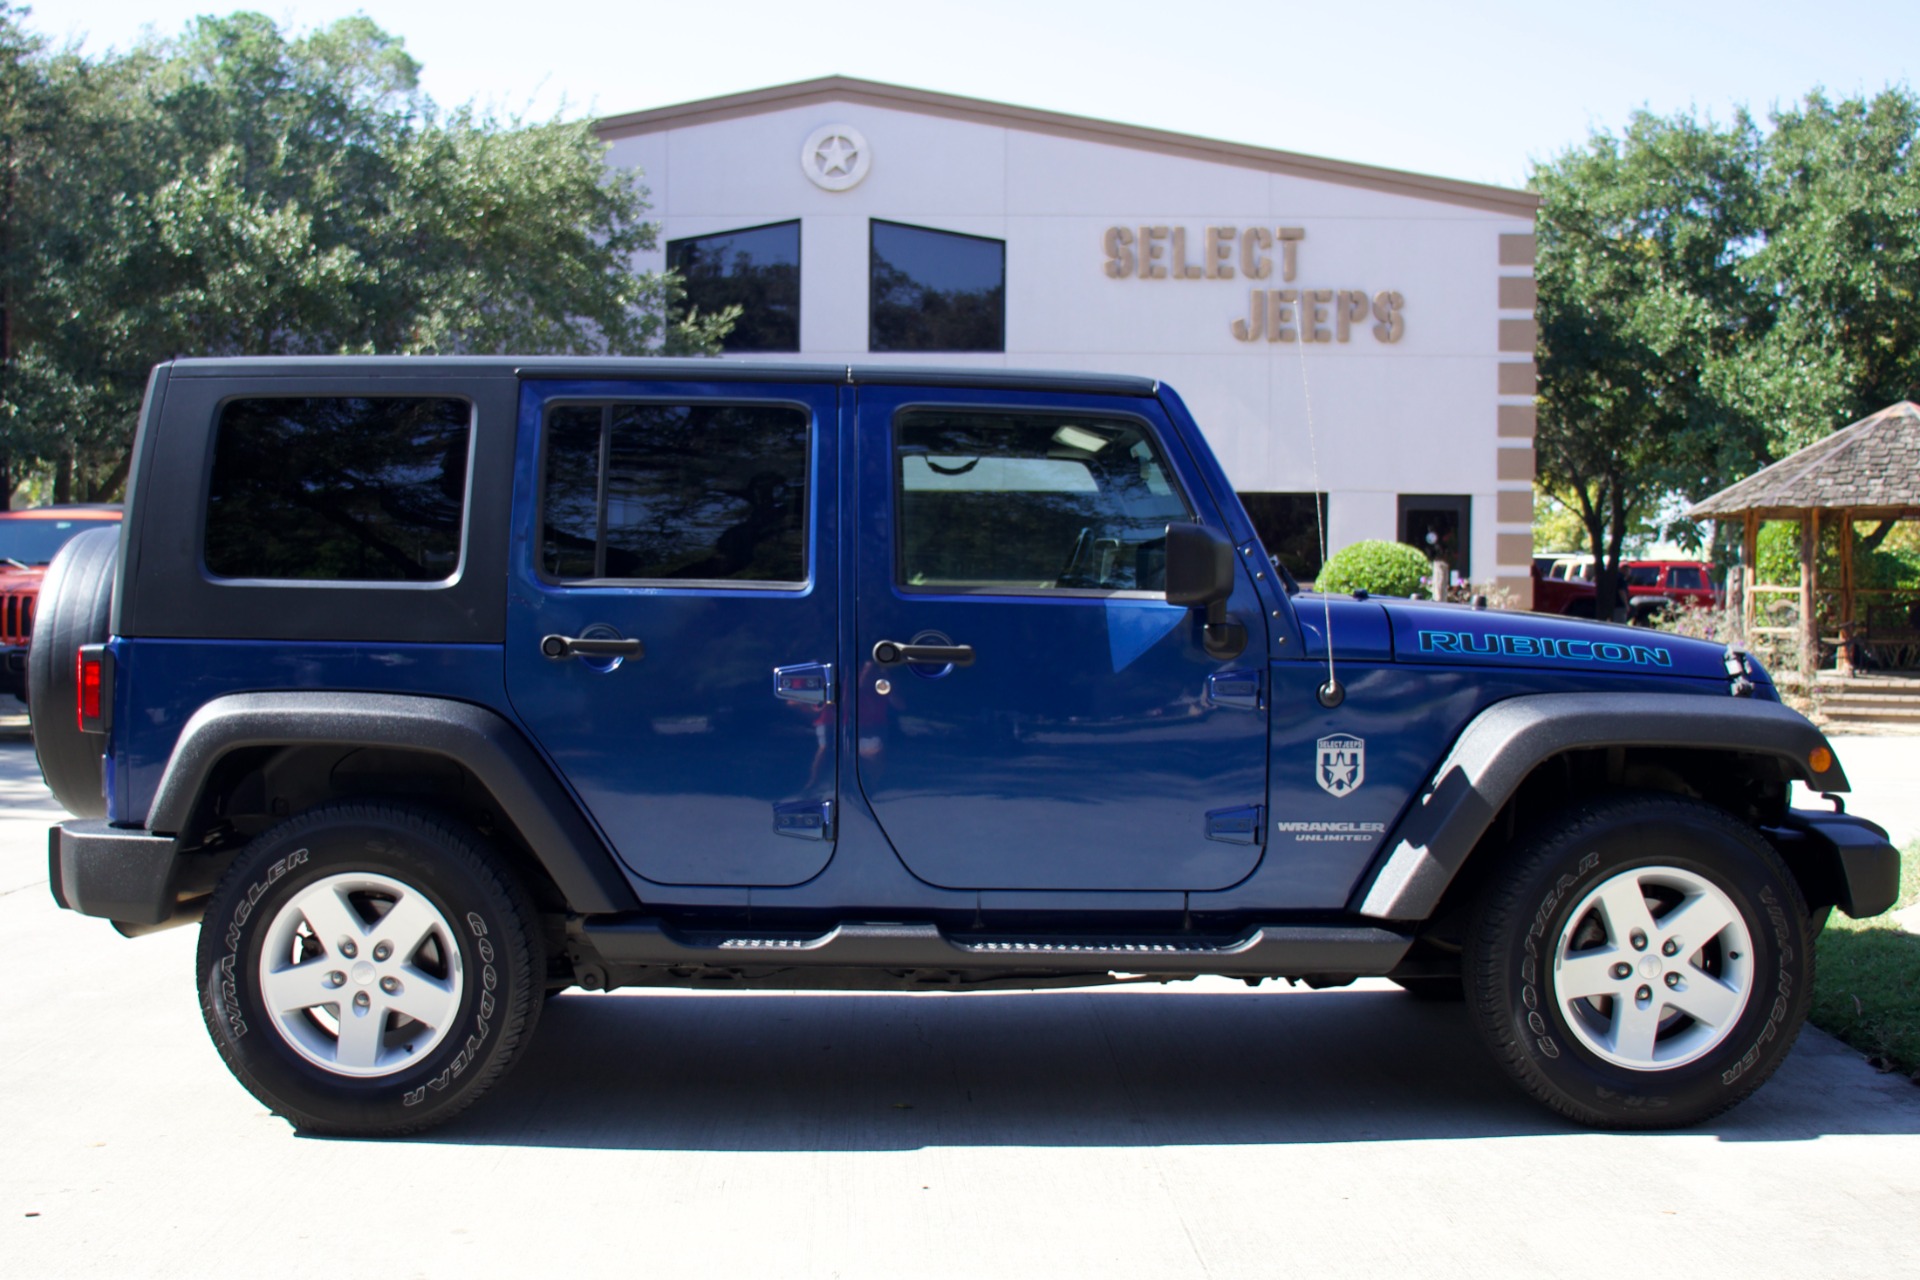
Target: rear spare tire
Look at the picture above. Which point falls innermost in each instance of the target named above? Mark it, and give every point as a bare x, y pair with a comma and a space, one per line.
75, 598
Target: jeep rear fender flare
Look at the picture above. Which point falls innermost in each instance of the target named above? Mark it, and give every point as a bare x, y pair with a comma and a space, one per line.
1502, 745
497, 754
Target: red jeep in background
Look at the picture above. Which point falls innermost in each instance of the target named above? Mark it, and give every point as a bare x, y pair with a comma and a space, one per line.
1653, 586
28, 540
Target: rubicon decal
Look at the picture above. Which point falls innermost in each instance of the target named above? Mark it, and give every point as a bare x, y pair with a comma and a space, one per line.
1340, 764
1496, 644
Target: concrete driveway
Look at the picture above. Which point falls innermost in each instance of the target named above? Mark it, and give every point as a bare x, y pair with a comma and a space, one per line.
1196, 1130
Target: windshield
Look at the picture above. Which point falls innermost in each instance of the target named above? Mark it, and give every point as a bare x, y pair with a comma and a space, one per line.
36, 541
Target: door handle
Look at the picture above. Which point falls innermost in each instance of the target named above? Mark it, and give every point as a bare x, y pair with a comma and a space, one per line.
560, 648
889, 652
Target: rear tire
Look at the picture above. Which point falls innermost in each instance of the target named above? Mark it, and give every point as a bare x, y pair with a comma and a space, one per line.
369, 970
73, 609
1641, 962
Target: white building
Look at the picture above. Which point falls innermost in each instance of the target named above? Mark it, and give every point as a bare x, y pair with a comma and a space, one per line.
863, 222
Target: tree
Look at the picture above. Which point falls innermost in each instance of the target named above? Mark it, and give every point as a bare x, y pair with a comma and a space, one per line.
1840, 265
241, 191
1642, 303
1714, 297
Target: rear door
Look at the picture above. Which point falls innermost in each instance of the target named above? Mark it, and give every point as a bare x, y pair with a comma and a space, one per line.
1091, 743
671, 627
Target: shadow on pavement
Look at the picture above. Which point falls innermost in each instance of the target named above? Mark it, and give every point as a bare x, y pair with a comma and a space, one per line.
745, 1072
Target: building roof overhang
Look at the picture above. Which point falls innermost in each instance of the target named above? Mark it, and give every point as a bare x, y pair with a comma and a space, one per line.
846, 89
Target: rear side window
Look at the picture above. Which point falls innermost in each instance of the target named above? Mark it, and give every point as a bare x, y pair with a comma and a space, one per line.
339, 488
1686, 578
676, 493
1643, 575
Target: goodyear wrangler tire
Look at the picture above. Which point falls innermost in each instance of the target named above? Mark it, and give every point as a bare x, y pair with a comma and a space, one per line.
369, 969
72, 609
1640, 963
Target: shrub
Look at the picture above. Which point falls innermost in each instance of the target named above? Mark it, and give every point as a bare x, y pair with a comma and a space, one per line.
1379, 568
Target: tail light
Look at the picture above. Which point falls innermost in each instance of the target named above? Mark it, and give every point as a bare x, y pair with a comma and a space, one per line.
93, 687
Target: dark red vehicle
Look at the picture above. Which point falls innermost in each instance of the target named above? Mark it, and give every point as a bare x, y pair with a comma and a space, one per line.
28, 541
1559, 588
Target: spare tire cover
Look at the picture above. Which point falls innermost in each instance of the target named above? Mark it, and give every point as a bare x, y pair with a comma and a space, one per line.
75, 599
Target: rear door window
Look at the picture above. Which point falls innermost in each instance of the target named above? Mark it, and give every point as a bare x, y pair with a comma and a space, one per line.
713, 493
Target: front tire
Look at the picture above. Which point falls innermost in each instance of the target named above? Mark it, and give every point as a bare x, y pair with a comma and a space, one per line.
1641, 962
369, 970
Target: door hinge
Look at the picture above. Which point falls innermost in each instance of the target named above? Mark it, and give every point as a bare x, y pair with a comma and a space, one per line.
1244, 825
1240, 690
804, 819
810, 683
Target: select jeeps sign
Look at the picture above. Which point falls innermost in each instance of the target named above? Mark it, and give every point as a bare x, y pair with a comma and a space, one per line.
1276, 315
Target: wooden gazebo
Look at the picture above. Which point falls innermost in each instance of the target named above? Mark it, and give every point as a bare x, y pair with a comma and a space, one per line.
1867, 471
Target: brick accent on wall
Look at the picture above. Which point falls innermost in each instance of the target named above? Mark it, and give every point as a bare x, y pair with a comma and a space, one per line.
1517, 378
1517, 421
1516, 464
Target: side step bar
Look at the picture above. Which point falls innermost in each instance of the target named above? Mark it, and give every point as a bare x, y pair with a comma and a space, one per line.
1270, 951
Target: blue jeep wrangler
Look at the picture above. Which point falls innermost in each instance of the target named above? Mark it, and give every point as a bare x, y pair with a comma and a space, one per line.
430, 687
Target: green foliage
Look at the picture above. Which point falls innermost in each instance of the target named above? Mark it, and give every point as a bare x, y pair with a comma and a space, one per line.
1893, 564
1713, 296
1381, 568
239, 190
1865, 976
1640, 240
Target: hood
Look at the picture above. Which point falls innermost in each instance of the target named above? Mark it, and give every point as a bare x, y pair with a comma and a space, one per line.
1460, 635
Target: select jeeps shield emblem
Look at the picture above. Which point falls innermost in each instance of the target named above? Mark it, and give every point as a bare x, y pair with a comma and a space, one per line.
1340, 764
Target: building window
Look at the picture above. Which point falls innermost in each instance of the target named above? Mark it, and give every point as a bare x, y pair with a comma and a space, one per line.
339, 488
1292, 529
1441, 525
936, 290
676, 493
756, 269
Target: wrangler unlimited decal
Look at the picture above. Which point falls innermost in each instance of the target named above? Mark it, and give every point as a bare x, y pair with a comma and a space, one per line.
1464, 642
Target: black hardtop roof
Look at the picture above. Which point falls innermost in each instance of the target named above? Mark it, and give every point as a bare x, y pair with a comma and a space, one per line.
653, 369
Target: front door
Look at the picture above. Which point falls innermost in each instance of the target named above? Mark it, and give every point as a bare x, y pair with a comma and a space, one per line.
1090, 742
671, 631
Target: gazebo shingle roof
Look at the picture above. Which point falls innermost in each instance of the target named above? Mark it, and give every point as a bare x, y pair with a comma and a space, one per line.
1873, 464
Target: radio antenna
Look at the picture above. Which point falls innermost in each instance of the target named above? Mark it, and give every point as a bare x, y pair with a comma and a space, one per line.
1331, 694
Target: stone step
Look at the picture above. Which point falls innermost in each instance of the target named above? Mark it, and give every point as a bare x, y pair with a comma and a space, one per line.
1837, 715
1858, 702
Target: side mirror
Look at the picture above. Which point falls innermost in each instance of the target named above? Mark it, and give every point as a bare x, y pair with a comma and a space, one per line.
1199, 566
1200, 576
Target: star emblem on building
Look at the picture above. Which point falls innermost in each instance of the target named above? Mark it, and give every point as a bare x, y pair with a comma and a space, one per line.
836, 157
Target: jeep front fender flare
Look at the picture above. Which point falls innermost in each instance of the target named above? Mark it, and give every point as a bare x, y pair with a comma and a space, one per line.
1504, 743
481, 740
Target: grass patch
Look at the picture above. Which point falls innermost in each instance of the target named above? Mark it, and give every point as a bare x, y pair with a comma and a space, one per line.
1867, 987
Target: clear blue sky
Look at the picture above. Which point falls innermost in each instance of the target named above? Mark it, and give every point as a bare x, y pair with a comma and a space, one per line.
1469, 90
